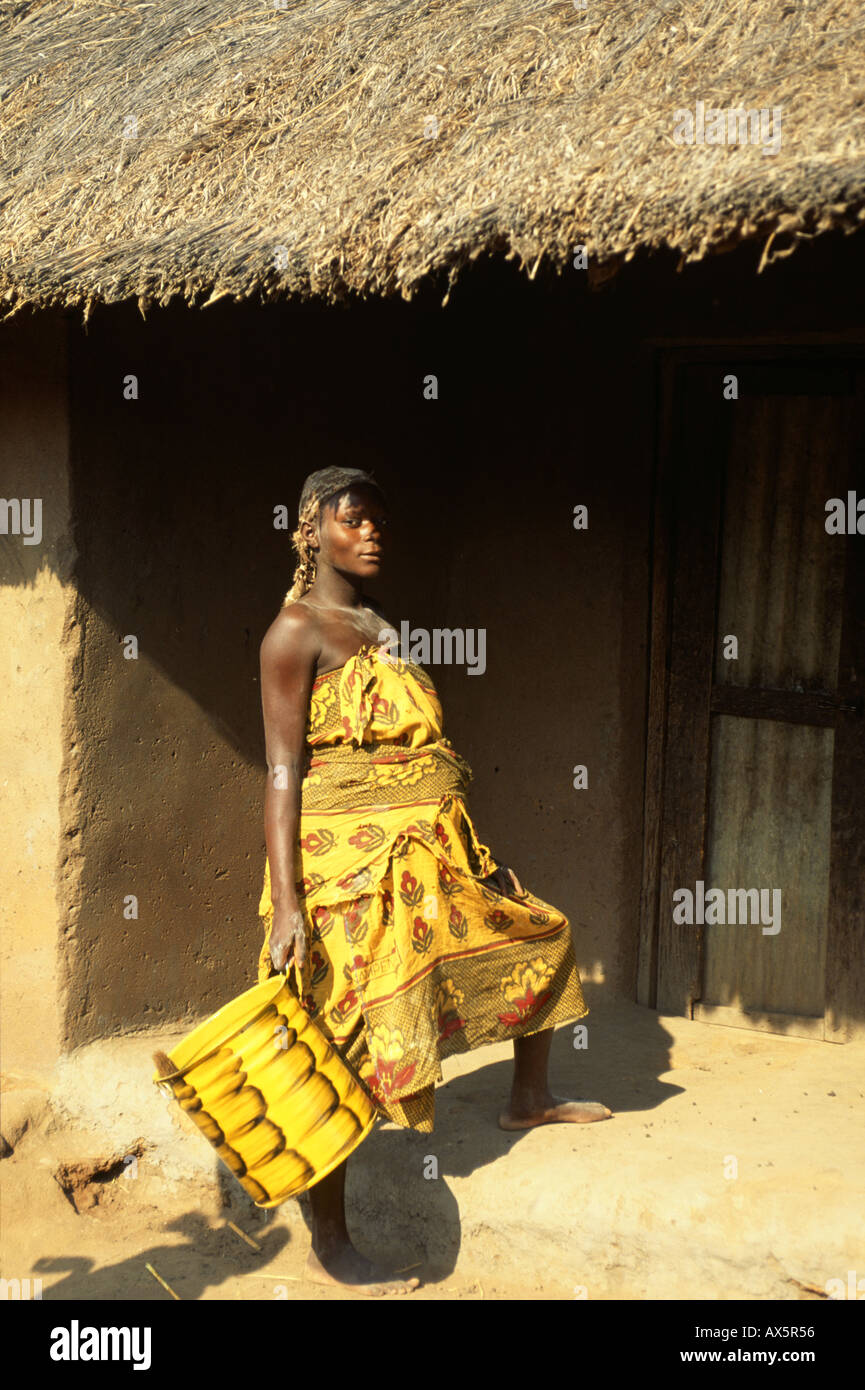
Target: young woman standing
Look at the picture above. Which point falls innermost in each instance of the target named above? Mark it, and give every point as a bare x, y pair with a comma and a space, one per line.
413, 941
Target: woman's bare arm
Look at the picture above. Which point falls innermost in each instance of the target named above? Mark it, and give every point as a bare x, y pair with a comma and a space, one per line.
289, 654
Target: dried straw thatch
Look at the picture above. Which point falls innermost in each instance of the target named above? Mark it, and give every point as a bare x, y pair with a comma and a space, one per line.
177, 147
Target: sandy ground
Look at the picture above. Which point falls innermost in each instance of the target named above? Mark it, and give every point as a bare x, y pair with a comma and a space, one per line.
93, 1237
733, 1168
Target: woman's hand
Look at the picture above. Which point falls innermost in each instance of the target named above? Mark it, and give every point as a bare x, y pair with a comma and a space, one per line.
287, 936
505, 881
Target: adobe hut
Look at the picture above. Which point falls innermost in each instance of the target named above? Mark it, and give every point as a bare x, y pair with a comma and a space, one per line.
480, 252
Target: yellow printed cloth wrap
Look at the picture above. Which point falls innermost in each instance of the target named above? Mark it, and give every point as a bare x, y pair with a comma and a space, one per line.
411, 956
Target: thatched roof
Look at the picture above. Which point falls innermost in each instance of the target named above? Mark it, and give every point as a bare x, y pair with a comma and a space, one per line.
284, 150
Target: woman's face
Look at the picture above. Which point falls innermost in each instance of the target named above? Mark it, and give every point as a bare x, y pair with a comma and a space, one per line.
354, 534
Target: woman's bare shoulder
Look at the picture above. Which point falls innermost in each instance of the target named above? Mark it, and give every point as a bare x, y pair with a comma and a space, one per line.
294, 633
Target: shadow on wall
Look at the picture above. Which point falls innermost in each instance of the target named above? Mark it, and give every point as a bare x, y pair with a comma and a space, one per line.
546, 398
173, 498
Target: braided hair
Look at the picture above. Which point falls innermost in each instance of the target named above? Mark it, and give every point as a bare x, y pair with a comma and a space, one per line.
319, 487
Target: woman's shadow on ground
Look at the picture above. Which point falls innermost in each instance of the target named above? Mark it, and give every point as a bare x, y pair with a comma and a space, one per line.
400, 1201
208, 1257
400, 1205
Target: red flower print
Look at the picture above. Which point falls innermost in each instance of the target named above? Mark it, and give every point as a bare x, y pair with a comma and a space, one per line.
449, 1023
421, 937
448, 882
367, 837
322, 920
410, 890
423, 829
390, 1078
356, 880
525, 1007
305, 886
391, 1072
526, 989
458, 923
446, 1009
347, 1003
498, 920
318, 841
384, 710
355, 926
319, 967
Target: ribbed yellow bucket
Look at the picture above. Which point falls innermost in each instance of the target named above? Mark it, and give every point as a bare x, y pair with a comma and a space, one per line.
269, 1092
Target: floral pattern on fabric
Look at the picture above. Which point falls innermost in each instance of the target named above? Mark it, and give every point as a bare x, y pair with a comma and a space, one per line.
412, 956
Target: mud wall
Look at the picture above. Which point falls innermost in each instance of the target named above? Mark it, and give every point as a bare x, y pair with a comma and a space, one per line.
187, 430
39, 642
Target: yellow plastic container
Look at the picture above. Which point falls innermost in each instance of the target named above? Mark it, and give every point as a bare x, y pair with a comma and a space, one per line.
269, 1092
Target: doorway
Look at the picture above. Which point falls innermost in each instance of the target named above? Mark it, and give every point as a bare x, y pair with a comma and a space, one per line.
755, 774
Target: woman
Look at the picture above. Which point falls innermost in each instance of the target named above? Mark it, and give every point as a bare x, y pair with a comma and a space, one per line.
413, 942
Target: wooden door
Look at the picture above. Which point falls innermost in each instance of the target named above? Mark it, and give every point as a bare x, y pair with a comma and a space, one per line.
755, 782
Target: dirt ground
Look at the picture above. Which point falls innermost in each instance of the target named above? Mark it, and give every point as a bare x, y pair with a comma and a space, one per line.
733, 1168
89, 1228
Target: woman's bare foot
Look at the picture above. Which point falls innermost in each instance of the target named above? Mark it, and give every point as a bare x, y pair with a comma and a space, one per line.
333, 1259
346, 1267
550, 1110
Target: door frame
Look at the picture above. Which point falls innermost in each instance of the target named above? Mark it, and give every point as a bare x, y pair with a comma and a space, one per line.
669, 965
